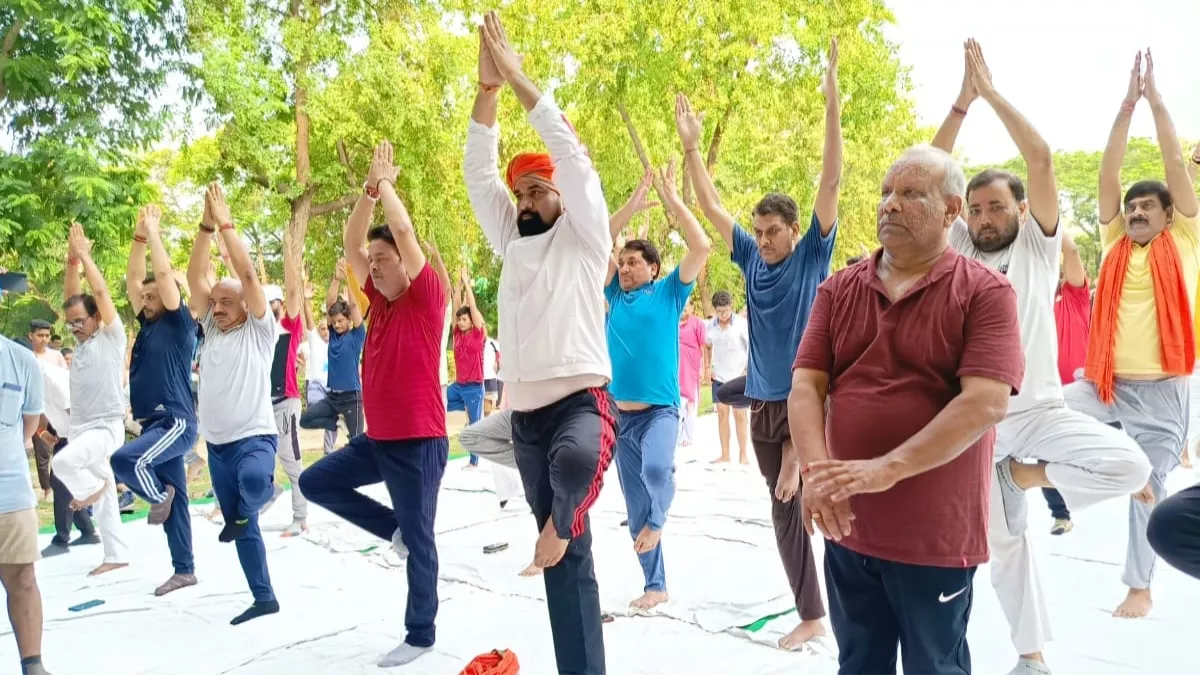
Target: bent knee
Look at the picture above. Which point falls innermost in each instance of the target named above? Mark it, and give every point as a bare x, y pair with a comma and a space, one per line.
19, 579
1166, 521
657, 475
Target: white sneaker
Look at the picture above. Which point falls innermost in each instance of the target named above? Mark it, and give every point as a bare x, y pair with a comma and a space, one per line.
1029, 667
398, 545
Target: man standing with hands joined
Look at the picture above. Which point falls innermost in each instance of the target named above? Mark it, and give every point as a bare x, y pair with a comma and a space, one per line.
236, 420
160, 396
556, 246
1142, 348
405, 446
643, 343
1041, 442
782, 271
97, 400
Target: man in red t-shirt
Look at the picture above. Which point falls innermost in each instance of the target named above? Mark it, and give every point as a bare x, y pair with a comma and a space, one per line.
916, 351
1072, 316
405, 446
470, 333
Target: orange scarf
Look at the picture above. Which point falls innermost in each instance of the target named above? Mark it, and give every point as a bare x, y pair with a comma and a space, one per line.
1176, 337
496, 662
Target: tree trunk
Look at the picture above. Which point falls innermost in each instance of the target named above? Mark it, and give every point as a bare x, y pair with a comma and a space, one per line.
6, 50
646, 164
710, 161
301, 206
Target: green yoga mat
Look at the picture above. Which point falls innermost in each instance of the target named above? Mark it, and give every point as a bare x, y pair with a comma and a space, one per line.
144, 510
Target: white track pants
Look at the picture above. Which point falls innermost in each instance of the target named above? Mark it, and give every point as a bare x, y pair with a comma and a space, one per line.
83, 467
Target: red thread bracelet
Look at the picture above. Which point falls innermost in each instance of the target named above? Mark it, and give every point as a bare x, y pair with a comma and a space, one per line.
227, 226
957, 110
140, 240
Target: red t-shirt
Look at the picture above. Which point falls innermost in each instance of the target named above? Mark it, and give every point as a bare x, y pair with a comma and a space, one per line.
402, 389
468, 355
1072, 309
892, 368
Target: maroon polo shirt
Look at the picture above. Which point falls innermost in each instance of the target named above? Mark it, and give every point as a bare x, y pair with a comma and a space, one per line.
892, 368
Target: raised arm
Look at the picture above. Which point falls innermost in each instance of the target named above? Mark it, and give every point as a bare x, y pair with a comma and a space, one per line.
356, 312
575, 177
486, 191
200, 272
239, 253
160, 260
1109, 198
826, 206
637, 204
354, 237
72, 283
83, 251
439, 265
1179, 182
394, 213
476, 316
135, 271
697, 241
331, 295
1043, 190
947, 134
1073, 270
690, 128
309, 321
293, 276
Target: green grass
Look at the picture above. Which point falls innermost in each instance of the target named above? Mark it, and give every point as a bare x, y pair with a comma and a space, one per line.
200, 487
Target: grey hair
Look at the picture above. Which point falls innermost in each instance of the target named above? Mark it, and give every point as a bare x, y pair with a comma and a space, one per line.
954, 182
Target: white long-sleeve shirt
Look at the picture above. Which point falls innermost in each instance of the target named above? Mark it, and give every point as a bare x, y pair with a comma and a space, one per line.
551, 297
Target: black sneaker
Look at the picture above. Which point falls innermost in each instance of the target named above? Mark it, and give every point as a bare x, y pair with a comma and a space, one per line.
233, 530
86, 539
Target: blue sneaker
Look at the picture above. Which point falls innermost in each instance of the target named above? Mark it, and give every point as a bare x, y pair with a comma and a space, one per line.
124, 502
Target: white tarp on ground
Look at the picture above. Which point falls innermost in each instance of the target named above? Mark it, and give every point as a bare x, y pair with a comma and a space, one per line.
343, 599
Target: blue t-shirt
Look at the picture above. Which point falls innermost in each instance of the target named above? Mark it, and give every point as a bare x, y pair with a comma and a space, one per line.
21, 393
345, 349
779, 298
643, 339
160, 369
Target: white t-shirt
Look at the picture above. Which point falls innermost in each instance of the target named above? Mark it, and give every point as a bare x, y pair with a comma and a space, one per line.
730, 347
97, 379
317, 354
445, 371
57, 396
1031, 264
489, 359
235, 379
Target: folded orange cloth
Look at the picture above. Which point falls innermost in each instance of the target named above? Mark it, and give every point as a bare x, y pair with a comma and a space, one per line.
495, 662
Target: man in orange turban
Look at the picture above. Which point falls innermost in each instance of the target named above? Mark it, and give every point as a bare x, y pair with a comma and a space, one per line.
530, 176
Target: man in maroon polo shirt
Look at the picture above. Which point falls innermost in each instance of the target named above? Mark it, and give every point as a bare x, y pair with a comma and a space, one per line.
917, 351
405, 445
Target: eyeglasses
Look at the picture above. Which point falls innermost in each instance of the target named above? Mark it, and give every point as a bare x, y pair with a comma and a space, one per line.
77, 323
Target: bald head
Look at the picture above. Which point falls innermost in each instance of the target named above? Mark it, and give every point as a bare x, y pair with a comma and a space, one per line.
922, 195
228, 304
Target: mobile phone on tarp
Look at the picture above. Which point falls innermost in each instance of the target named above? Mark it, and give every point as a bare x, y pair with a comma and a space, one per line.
14, 282
495, 548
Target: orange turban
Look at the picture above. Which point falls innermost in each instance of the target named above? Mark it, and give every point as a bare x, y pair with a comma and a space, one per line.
529, 163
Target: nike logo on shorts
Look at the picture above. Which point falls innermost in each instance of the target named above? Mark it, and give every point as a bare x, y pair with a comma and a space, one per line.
943, 598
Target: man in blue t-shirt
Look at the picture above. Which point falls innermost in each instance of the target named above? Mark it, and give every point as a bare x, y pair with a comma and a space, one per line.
160, 395
347, 335
643, 343
783, 268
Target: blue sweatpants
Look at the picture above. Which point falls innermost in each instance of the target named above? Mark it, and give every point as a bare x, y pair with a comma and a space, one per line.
646, 471
877, 605
466, 397
150, 462
411, 469
243, 479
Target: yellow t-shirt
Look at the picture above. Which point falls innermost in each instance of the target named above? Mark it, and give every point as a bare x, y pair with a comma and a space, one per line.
356, 289
1138, 350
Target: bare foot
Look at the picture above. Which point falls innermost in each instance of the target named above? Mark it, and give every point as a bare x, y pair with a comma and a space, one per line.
743, 460
81, 504
532, 571
646, 540
649, 600
1145, 495
215, 514
1137, 604
550, 548
685, 444
723, 459
470, 467
106, 567
806, 631
1185, 460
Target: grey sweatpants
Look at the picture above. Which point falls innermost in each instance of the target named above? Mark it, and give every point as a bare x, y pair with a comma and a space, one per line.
491, 439
1155, 414
287, 420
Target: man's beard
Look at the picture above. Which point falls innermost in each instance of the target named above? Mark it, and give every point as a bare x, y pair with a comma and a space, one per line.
1004, 239
530, 224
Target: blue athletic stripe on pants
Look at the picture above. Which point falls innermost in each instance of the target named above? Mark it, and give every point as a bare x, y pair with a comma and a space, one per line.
412, 470
155, 459
646, 471
243, 478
